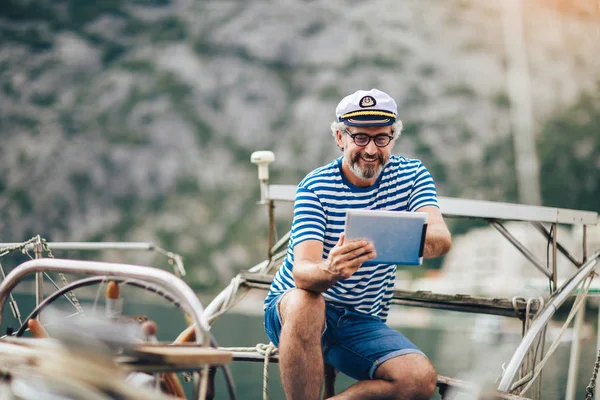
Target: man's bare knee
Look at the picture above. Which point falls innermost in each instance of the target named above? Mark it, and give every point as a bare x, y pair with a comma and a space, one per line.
425, 379
302, 307
412, 374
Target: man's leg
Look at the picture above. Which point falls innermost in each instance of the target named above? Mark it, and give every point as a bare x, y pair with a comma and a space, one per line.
410, 376
386, 363
300, 355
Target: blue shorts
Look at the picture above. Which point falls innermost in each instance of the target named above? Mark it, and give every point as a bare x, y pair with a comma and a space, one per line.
354, 343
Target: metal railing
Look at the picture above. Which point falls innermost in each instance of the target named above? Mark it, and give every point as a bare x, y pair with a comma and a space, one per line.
177, 287
542, 320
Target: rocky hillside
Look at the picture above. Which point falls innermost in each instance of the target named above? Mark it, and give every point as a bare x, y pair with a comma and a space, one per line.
135, 119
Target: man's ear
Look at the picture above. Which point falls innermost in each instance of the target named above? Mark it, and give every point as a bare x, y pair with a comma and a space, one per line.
338, 140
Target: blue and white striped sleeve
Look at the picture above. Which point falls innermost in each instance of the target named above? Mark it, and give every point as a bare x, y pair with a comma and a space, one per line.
423, 191
309, 221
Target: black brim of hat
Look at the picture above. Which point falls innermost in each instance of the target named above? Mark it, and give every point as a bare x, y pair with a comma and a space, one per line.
371, 120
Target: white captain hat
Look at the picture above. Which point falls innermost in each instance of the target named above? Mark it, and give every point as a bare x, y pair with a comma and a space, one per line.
367, 108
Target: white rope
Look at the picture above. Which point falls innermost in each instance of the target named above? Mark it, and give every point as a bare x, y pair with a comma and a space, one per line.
532, 354
527, 319
235, 285
232, 298
5, 250
267, 350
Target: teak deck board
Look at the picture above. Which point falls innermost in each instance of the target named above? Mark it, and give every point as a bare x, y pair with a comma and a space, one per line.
183, 355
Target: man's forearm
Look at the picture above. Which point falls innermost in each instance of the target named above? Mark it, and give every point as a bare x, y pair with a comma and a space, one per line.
312, 276
437, 241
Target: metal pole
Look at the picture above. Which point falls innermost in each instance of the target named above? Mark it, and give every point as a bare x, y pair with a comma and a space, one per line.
542, 229
597, 391
272, 227
90, 245
528, 254
519, 93
575, 350
39, 277
584, 241
174, 259
554, 260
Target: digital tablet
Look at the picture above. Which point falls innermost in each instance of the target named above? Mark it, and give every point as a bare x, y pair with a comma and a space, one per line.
398, 236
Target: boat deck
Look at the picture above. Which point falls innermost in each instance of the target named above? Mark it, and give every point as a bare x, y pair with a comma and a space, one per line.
457, 302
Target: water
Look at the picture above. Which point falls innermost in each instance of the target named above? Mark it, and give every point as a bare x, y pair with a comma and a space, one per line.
446, 337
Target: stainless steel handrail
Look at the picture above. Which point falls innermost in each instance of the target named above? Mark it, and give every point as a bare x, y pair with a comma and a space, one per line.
457, 207
540, 322
89, 245
175, 285
175, 259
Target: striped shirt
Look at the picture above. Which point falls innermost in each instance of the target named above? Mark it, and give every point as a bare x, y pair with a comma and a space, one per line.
322, 199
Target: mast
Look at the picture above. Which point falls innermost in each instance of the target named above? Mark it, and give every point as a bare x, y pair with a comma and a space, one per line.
521, 115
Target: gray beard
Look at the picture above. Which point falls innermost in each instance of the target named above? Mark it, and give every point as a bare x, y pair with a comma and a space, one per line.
366, 172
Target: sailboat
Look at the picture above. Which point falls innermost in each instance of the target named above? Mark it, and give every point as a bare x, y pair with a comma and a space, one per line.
132, 364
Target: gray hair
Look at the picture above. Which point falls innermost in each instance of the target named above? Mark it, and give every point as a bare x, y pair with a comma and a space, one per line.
340, 126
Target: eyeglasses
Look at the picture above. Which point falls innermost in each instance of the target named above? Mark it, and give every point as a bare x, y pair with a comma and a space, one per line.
363, 140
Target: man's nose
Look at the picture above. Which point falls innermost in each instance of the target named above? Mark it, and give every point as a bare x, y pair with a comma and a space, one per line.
371, 148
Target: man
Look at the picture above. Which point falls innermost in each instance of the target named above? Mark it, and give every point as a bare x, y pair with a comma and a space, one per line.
323, 305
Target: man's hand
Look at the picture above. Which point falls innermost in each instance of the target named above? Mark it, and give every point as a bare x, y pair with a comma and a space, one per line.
345, 258
312, 272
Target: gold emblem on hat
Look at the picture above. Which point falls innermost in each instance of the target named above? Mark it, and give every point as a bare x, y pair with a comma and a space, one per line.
367, 101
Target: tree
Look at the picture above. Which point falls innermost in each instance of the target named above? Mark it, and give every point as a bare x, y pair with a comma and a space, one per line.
569, 149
